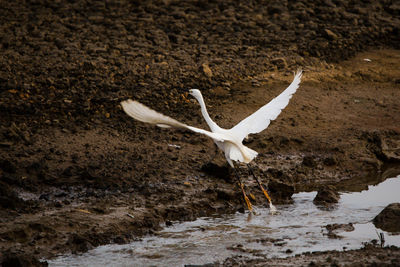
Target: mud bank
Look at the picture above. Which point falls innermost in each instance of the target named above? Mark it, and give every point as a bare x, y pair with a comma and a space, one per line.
78, 190
73, 165
297, 228
368, 256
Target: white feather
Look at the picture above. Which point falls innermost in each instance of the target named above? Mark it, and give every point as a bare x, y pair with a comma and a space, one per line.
260, 120
143, 113
229, 141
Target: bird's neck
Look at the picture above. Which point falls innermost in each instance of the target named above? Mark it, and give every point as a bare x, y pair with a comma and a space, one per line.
213, 126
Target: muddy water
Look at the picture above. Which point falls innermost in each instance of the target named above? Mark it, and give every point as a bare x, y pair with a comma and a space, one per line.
299, 227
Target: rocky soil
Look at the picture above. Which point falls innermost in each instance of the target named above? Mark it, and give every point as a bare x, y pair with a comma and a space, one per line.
76, 172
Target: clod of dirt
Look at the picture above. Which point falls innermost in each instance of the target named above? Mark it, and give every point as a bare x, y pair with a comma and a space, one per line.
216, 170
8, 198
330, 161
333, 229
280, 191
226, 195
391, 149
7, 166
327, 195
79, 243
309, 161
385, 145
389, 218
17, 260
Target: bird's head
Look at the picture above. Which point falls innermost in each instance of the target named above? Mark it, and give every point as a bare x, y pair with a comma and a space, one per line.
195, 92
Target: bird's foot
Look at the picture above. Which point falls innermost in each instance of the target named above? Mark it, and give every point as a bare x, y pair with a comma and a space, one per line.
248, 203
272, 209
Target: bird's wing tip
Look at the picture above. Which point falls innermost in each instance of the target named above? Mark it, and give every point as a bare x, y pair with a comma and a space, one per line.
127, 101
298, 74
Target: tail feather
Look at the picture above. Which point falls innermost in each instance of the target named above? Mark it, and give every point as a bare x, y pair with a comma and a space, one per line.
242, 154
250, 154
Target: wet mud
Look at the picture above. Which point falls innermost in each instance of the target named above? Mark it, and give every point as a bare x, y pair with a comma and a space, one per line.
370, 255
297, 228
76, 172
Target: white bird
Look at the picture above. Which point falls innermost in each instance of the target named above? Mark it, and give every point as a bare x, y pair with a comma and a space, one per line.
227, 140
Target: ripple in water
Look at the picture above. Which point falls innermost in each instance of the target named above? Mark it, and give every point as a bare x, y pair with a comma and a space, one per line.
298, 228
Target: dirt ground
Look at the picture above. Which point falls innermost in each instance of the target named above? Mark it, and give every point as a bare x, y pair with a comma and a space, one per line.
368, 256
76, 172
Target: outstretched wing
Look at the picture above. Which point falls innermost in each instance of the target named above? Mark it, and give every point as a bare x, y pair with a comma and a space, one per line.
143, 113
259, 120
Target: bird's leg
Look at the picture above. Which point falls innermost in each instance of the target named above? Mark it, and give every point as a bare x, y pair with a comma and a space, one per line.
246, 199
272, 207
259, 183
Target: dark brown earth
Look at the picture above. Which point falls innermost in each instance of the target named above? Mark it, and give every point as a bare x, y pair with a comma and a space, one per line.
326, 195
369, 256
76, 172
389, 218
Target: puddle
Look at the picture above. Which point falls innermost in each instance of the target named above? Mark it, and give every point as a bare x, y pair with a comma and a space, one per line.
298, 228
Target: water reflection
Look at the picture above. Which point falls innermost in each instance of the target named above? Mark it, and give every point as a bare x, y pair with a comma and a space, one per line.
298, 228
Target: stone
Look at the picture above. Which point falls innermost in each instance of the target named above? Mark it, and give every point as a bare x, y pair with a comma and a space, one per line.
389, 218
280, 191
330, 34
327, 195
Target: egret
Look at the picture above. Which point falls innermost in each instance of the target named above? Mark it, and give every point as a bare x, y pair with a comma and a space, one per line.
227, 140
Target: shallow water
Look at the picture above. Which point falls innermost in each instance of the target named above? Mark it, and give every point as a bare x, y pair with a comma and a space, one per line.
298, 228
